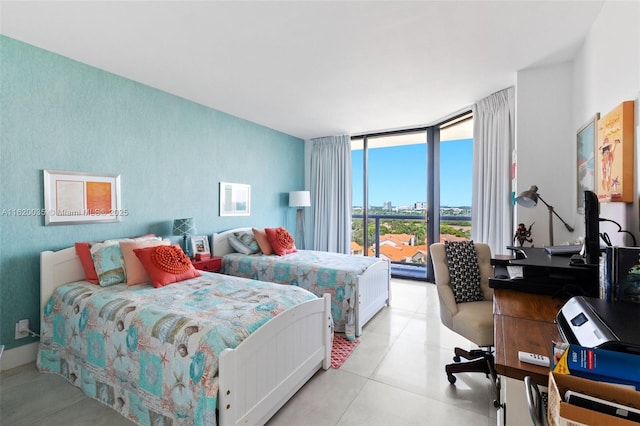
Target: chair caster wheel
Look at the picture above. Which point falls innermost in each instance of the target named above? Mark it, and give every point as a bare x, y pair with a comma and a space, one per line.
451, 378
456, 358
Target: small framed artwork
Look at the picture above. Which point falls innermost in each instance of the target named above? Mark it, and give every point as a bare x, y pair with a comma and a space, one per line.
235, 199
200, 245
615, 151
76, 197
586, 150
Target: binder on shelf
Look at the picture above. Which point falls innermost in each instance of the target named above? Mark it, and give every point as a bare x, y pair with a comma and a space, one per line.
627, 274
619, 274
598, 364
606, 274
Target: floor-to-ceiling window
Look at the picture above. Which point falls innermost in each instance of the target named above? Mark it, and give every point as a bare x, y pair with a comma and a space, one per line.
455, 179
411, 188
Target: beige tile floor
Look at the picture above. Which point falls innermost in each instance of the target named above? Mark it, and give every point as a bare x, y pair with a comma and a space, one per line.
394, 377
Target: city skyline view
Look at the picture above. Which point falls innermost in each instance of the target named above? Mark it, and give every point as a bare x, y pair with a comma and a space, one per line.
398, 174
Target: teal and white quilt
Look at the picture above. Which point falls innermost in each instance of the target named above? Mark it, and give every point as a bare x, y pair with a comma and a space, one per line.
152, 353
319, 272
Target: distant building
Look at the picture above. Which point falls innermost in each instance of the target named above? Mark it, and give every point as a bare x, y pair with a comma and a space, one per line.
422, 205
402, 253
400, 248
356, 249
386, 205
397, 239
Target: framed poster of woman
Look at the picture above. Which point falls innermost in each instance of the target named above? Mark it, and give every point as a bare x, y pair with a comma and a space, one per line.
615, 153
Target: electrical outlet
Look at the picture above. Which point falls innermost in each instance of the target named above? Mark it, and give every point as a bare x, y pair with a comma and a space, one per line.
22, 329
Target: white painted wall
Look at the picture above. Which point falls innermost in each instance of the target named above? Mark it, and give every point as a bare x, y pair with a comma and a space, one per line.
553, 102
607, 72
544, 150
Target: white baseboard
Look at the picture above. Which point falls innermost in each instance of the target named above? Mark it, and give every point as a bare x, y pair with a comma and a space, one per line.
12, 358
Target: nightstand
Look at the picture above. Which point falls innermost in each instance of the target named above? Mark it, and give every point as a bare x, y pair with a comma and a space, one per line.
213, 264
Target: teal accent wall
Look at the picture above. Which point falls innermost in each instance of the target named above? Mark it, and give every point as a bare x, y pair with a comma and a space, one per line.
171, 153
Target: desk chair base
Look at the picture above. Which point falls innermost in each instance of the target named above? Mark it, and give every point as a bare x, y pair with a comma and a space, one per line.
479, 361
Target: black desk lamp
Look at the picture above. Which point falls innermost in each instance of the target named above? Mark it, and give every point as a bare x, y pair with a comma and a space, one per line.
530, 197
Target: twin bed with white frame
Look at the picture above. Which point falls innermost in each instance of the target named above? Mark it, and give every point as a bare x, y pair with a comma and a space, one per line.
259, 375
370, 284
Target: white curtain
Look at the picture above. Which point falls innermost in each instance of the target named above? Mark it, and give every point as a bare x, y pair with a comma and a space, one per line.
331, 193
493, 142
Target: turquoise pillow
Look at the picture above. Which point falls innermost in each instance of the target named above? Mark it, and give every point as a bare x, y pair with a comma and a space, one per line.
244, 242
109, 263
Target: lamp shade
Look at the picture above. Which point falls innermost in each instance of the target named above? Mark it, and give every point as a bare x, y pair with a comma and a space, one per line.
528, 198
184, 226
299, 199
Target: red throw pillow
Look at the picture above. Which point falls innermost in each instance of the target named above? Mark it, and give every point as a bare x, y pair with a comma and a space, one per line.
166, 264
281, 241
84, 253
263, 241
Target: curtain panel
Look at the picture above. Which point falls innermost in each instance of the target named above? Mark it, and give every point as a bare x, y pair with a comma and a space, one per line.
331, 193
493, 140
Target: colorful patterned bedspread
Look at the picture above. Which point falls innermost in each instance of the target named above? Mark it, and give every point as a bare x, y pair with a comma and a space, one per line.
152, 353
317, 271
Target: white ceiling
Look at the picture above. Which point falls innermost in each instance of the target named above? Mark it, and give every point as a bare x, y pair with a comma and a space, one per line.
312, 68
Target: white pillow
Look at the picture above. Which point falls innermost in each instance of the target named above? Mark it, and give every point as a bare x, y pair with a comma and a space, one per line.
244, 242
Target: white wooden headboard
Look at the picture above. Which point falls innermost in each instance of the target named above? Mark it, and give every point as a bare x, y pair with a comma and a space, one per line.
220, 241
57, 268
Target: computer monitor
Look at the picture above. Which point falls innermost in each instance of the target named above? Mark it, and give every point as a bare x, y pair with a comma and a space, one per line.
592, 228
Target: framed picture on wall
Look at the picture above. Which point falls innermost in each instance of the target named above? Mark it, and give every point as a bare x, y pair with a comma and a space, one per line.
586, 151
615, 152
235, 199
76, 197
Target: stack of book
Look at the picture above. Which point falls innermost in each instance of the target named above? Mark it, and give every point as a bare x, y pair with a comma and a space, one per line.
620, 274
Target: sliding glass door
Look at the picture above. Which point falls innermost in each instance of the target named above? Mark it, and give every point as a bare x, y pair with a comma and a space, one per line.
396, 178
393, 198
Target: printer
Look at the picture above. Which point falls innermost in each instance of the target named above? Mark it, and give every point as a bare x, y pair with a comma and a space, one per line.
596, 323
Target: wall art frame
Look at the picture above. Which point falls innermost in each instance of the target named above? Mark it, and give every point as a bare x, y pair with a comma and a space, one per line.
615, 151
235, 199
72, 198
585, 161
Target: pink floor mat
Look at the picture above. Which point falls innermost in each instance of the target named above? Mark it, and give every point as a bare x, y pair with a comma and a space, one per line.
341, 349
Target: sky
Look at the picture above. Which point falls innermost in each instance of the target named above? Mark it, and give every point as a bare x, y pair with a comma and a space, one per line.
398, 174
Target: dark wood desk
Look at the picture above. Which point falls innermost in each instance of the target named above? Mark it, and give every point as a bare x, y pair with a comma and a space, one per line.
547, 274
524, 322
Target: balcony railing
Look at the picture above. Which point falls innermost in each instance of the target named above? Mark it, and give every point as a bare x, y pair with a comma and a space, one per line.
416, 268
